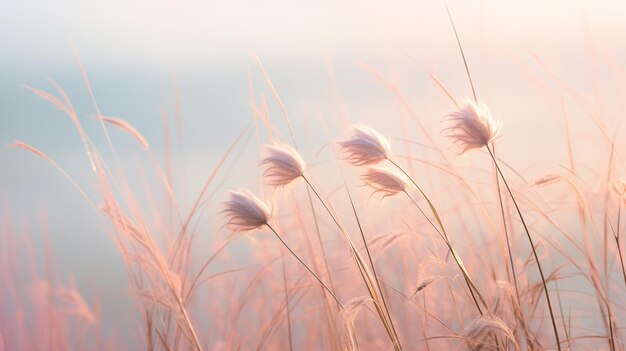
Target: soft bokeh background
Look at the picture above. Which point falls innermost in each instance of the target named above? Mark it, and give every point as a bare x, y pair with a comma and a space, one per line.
139, 53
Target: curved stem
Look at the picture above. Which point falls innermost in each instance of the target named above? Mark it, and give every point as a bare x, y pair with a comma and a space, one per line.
506, 235
363, 270
458, 41
510, 254
287, 307
532, 245
305, 265
369, 256
470, 283
456, 258
619, 248
323, 202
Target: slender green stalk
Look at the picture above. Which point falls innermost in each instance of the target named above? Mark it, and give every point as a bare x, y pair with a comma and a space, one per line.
305, 265
532, 246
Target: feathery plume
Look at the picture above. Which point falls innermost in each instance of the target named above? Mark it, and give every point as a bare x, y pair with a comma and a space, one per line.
486, 333
547, 179
245, 211
365, 147
425, 282
282, 165
387, 182
127, 127
472, 126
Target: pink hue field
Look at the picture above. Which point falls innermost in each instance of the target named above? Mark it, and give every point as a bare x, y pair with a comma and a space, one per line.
454, 229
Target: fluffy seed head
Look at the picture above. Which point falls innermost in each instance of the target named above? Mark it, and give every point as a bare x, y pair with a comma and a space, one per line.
365, 147
282, 165
385, 181
245, 211
472, 126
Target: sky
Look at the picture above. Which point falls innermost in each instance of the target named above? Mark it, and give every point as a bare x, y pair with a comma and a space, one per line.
136, 52
173, 33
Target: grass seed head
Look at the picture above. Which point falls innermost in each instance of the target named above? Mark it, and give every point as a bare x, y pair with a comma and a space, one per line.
385, 181
282, 165
245, 211
472, 126
365, 147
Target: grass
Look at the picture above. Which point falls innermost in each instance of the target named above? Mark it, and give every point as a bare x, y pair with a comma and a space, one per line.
368, 274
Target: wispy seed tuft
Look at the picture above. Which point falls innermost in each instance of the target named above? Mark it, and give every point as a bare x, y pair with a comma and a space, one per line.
365, 147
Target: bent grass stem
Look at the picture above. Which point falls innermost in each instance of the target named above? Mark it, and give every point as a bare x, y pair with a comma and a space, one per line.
470, 283
305, 265
365, 274
532, 246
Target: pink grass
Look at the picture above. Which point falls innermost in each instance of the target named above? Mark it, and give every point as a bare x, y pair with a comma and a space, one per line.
448, 266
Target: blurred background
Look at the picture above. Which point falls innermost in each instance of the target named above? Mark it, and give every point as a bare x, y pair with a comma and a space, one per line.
525, 58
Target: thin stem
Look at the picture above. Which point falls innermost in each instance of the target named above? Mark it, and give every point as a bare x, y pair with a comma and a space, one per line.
428, 219
470, 283
183, 310
199, 274
327, 311
511, 262
458, 41
323, 202
506, 234
611, 333
445, 240
305, 265
287, 308
619, 247
362, 269
165, 272
532, 245
295, 145
434, 248
369, 256
319, 239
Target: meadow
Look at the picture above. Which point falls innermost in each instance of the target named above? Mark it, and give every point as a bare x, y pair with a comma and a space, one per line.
443, 221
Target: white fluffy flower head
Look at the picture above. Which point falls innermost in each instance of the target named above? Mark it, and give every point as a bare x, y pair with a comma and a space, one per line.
472, 126
387, 182
365, 147
282, 165
245, 211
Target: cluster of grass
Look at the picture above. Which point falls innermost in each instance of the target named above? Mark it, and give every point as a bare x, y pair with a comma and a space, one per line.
428, 255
